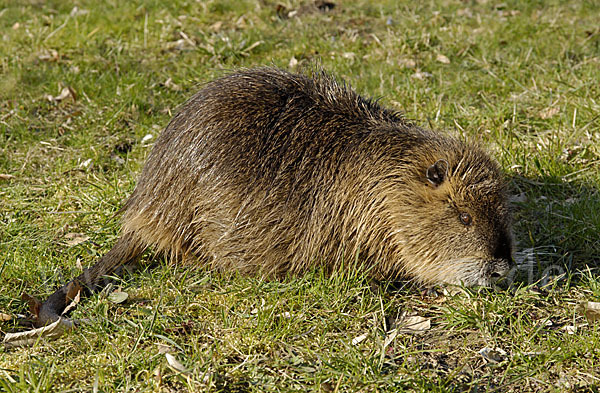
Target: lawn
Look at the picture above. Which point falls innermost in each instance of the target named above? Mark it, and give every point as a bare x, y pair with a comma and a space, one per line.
87, 86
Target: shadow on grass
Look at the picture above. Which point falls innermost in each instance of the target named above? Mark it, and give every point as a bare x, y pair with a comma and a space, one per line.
556, 226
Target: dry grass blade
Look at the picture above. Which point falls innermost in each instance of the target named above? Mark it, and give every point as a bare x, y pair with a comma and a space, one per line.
31, 337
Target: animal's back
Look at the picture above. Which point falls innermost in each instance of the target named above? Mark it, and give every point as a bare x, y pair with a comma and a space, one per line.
255, 172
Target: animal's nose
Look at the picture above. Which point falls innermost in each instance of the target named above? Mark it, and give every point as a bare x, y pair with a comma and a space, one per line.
501, 268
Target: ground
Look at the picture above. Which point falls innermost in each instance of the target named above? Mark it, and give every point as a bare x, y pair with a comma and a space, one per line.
86, 87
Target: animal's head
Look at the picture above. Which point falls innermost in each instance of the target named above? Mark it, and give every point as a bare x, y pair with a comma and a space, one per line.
456, 227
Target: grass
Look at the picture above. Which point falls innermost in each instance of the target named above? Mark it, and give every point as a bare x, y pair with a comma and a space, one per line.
520, 77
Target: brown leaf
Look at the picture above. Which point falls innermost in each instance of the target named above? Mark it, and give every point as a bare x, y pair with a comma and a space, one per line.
421, 75
5, 317
73, 239
184, 328
570, 329
73, 296
4, 176
246, 51
414, 324
591, 310
48, 55
216, 27
407, 63
172, 85
493, 355
164, 348
357, 340
548, 112
118, 297
293, 62
465, 12
34, 303
73, 291
442, 59
175, 364
66, 92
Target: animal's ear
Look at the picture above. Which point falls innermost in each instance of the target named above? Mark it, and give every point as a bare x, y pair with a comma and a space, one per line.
437, 173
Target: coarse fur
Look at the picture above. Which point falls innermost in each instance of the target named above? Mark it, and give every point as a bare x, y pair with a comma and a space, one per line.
268, 172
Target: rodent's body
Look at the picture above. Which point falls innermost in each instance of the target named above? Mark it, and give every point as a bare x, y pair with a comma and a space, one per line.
271, 173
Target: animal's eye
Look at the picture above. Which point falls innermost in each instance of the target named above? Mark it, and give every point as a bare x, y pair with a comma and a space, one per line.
466, 218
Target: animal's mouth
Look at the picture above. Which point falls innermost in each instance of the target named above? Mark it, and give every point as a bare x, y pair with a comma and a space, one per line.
475, 271
496, 273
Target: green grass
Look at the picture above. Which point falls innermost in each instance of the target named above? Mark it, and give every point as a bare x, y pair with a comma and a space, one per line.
520, 77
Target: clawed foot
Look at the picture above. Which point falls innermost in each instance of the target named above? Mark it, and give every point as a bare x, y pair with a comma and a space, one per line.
48, 317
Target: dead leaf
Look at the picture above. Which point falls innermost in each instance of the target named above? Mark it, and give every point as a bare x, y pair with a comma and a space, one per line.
390, 337
172, 85
187, 39
30, 337
548, 112
509, 12
293, 62
414, 324
76, 11
147, 138
5, 317
180, 44
590, 309
48, 55
73, 291
442, 59
216, 26
66, 92
421, 75
175, 364
246, 51
240, 23
73, 296
16, 26
164, 348
465, 12
73, 239
4, 176
118, 297
34, 303
359, 339
493, 355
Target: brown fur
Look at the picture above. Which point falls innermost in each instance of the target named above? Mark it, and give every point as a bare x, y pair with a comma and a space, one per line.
271, 173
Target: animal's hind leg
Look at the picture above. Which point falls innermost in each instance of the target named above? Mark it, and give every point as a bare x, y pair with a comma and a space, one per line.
126, 251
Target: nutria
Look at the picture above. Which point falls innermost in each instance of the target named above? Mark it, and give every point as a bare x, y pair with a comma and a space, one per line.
268, 172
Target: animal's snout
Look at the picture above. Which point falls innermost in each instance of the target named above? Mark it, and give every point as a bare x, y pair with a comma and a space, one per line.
500, 268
